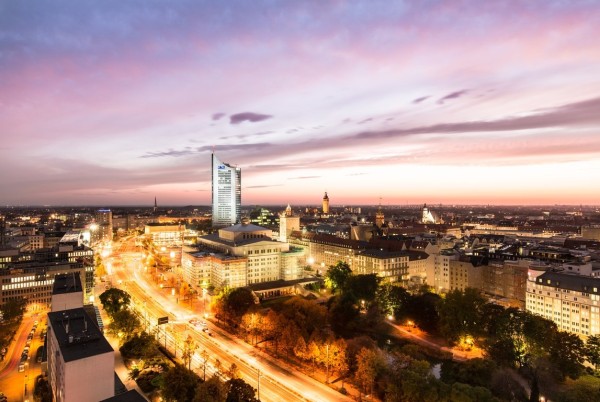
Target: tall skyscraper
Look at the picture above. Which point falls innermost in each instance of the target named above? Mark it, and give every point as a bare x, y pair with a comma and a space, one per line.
226, 193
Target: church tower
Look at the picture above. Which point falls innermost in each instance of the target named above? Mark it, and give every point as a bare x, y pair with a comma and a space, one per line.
325, 204
379, 217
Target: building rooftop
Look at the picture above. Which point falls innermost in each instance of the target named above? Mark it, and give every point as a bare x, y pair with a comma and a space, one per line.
67, 283
129, 396
384, 253
279, 284
78, 334
243, 228
578, 283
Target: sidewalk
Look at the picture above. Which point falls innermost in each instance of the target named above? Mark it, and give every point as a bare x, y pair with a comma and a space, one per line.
120, 368
417, 336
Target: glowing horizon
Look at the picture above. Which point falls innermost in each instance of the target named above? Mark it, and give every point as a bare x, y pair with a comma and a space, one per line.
452, 102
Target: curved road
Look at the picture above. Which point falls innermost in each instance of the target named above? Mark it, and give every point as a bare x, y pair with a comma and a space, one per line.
277, 383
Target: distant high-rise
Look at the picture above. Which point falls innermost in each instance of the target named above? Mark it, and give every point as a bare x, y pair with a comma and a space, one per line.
105, 226
325, 203
226, 193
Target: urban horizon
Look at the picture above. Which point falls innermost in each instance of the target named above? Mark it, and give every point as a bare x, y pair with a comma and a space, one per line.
441, 102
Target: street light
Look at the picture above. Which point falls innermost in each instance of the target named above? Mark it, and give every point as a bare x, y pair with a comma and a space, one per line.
258, 383
254, 363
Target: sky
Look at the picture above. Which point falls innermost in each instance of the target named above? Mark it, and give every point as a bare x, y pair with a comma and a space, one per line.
454, 102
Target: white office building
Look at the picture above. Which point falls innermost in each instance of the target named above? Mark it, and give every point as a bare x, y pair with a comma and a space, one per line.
226, 193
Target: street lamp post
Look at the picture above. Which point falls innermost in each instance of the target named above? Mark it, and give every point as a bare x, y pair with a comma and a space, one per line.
258, 383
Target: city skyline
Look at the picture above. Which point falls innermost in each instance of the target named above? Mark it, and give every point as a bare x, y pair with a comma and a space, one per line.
436, 102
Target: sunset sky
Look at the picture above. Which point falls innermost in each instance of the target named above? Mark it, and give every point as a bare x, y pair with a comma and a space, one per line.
114, 102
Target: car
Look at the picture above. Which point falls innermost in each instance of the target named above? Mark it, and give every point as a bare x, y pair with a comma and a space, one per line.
21, 367
35, 322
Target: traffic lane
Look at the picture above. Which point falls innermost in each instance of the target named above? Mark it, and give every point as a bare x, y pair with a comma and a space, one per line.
12, 382
16, 348
270, 390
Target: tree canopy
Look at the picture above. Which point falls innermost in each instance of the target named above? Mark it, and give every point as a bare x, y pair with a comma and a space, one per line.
114, 300
337, 275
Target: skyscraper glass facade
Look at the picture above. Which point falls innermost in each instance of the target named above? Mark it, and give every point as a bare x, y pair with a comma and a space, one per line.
226, 193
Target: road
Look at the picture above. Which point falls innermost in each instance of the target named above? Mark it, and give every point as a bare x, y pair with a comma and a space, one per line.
276, 382
18, 386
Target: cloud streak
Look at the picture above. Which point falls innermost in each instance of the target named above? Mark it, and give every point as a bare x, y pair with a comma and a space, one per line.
248, 116
452, 95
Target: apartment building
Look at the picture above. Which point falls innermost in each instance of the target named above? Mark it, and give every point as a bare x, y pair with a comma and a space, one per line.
571, 301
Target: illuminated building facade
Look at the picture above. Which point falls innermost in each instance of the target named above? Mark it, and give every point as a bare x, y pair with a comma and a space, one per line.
226, 193
242, 255
105, 225
571, 301
31, 275
80, 360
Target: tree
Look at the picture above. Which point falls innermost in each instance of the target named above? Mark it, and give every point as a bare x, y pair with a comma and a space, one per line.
204, 356
233, 372
179, 384
114, 300
592, 350
301, 350
239, 301
189, 347
218, 366
273, 325
343, 314
289, 337
393, 300
567, 353
362, 287
460, 313
213, 390
251, 323
337, 275
140, 345
422, 310
314, 351
240, 391
14, 308
369, 364
125, 324
42, 390
337, 357
307, 315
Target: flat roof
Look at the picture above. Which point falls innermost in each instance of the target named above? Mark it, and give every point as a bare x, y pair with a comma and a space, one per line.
67, 283
129, 396
78, 334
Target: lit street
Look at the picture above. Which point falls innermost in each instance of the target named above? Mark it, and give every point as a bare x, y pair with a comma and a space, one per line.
16, 385
276, 382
